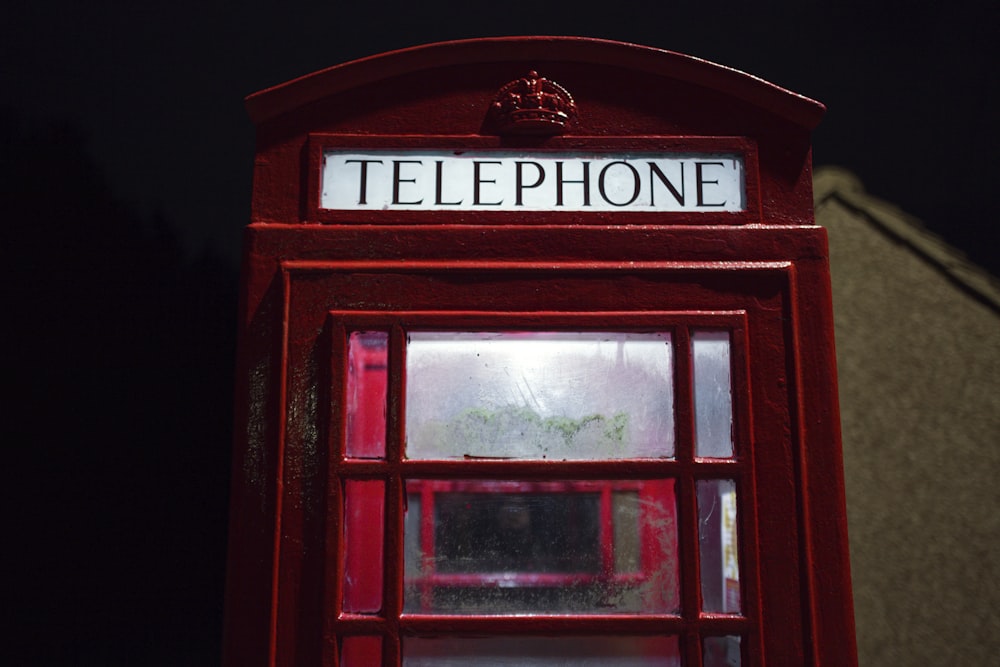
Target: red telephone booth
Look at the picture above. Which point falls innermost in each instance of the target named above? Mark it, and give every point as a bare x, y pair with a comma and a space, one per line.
536, 368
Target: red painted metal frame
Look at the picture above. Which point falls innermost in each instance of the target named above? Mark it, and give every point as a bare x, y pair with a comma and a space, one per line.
791, 598
402, 270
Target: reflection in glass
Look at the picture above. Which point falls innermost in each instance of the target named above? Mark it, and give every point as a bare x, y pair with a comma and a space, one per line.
361, 651
364, 510
538, 395
529, 533
718, 534
713, 396
507, 547
367, 376
412, 554
722, 652
600, 651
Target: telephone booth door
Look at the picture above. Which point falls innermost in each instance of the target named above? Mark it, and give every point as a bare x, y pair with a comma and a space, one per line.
594, 541
535, 438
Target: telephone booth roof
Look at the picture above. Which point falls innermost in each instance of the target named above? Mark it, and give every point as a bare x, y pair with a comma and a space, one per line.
626, 97
272, 102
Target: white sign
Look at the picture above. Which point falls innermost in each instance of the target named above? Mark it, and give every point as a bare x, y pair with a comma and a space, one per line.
429, 180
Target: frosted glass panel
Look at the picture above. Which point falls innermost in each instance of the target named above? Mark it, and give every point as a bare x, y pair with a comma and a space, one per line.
722, 652
713, 395
538, 395
367, 375
511, 547
628, 541
718, 535
598, 651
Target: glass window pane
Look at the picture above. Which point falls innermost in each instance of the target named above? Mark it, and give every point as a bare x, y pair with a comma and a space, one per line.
503, 532
361, 651
411, 531
720, 570
600, 651
628, 545
538, 395
364, 509
713, 402
367, 379
722, 652
510, 547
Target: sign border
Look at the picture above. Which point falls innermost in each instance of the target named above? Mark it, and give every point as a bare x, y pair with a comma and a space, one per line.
319, 143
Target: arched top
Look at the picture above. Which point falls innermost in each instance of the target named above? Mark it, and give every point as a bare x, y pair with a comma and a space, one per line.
278, 100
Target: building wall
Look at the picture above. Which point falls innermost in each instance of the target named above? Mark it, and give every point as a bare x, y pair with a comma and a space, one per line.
919, 369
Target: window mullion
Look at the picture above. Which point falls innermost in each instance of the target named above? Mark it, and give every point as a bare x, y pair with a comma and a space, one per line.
337, 418
687, 505
396, 497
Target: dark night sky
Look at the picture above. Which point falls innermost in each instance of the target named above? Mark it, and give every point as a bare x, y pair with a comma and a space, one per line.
121, 354
158, 87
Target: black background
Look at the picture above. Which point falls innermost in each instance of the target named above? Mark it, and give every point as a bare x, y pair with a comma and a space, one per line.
125, 159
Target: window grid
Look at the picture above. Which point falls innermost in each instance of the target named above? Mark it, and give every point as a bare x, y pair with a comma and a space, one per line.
691, 626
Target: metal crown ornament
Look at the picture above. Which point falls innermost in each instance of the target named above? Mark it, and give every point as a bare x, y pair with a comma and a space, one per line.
533, 105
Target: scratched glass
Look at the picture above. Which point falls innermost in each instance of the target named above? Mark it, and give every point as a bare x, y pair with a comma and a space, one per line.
713, 395
551, 396
511, 547
586, 651
721, 652
367, 379
719, 546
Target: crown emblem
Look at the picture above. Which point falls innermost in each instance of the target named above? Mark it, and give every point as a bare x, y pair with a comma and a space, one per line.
533, 105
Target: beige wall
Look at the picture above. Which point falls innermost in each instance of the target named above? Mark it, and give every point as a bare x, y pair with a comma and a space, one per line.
919, 370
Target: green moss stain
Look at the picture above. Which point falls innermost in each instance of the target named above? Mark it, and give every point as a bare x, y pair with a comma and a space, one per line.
481, 425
